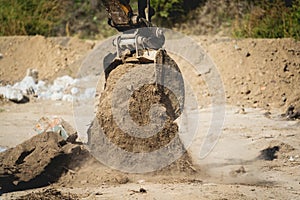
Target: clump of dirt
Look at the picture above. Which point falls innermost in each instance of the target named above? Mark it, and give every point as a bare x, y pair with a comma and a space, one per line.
140, 111
49, 194
37, 162
291, 114
3, 100
275, 150
268, 153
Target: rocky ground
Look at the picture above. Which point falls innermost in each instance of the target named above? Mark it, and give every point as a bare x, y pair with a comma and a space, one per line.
256, 157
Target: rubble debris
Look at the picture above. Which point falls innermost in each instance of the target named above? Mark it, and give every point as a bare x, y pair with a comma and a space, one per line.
276, 150
48, 156
291, 114
291, 159
56, 125
241, 111
268, 114
142, 190
121, 179
63, 89
236, 47
2, 149
239, 171
13, 94
269, 153
27, 84
34, 74
49, 194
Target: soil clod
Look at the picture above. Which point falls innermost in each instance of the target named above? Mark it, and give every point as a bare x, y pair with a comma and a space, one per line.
269, 153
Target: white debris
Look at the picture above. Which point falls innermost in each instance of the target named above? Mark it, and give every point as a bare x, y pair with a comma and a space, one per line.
1, 56
64, 81
90, 93
44, 95
291, 159
56, 88
64, 88
27, 83
11, 93
74, 90
57, 96
41, 85
34, 74
236, 47
67, 97
2, 149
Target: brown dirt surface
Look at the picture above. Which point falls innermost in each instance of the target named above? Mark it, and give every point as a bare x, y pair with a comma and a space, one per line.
48, 194
259, 75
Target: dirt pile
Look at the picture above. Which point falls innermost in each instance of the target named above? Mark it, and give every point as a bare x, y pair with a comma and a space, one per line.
36, 162
259, 73
52, 57
143, 114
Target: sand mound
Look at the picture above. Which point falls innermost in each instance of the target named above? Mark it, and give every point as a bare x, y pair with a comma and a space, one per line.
36, 162
260, 73
52, 57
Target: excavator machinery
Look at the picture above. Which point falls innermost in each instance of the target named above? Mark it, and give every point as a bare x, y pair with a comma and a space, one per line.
138, 75
138, 33
140, 42
121, 16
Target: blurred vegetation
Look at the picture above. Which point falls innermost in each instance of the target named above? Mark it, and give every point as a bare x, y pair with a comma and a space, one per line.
270, 19
88, 18
53, 18
22, 17
169, 12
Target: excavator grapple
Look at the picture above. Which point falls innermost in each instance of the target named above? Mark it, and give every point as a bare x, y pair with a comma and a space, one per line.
139, 75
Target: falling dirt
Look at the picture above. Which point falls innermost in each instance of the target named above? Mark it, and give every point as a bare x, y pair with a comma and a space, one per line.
140, 105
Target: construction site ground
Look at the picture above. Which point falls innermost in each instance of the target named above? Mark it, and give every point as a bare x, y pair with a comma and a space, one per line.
261, 80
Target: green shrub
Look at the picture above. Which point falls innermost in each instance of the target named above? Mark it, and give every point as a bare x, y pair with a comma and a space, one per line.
29, 17
86, 18
53, 18
169, 12
271, 19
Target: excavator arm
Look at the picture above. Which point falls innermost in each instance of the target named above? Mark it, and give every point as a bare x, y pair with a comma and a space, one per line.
122, 17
